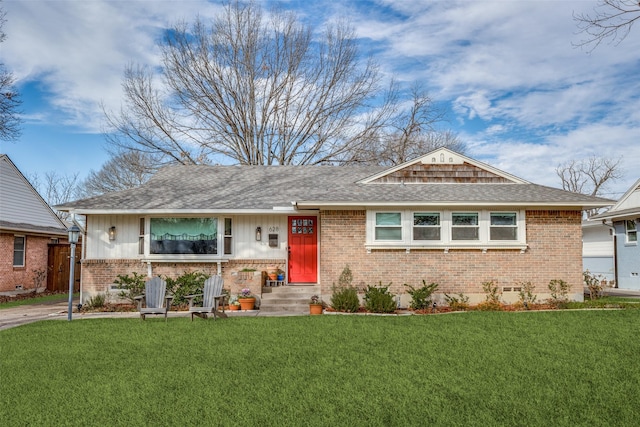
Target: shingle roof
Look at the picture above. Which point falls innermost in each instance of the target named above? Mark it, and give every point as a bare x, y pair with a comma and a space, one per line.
203, 187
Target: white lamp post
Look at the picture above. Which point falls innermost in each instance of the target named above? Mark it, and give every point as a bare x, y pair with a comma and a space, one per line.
74, 233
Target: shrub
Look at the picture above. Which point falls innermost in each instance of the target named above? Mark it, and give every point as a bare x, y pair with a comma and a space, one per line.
97, 301
559, 293
130, 287
593, 283
346, 277
379, 300
421, 297
187, 284
344, 297
526, 295
492, 298
459, 303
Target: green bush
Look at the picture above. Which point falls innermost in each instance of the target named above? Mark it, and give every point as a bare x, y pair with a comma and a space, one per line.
187, 284
459, 303
559, 293
593, 283
421, 297
97, 301
526, 295
492, 298
345, 299
130, 287
379, 300
346, 277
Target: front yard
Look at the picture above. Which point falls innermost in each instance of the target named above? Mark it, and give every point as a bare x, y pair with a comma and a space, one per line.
480, 368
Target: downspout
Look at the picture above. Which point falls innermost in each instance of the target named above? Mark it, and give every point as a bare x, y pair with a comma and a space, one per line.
615, 251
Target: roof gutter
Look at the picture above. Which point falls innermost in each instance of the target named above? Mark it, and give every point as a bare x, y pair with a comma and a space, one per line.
323, 204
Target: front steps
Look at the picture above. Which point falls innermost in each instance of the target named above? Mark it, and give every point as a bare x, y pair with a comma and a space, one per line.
289, 298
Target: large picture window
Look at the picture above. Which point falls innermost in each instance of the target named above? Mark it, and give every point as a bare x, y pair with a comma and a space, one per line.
426, 226
388, 226
184, 236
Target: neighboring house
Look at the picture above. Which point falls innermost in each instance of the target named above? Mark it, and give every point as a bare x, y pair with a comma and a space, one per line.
441, 218
598, 250
624, 216
27, 227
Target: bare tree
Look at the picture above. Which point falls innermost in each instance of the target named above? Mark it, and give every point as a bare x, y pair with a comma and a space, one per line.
410, 133
56, 189
124, 170
9, 98
611, 20
256, 89
589, 176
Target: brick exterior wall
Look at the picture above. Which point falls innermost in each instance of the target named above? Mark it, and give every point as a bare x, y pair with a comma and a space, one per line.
99, 275
36, 258
555, 252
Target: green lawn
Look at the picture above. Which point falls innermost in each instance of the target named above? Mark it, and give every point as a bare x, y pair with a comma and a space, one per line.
37, 300
480, 368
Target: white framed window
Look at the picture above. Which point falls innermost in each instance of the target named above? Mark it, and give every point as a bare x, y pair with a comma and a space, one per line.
19, 246
446, 229
503, 226
182, 236
141, 233
388, 226
465, 226
185, 237
228, 236
631, 230
426, 226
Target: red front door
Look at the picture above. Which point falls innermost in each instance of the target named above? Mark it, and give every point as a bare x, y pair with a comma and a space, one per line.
303, 249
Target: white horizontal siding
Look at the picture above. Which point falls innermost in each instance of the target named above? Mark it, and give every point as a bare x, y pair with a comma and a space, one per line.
19, 202
597, 241
244, 244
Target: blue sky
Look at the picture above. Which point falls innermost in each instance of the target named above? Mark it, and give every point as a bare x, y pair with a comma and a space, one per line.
517, 91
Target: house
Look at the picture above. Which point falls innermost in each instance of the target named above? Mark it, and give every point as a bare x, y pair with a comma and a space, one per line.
443, 218
624, 218
28, 227
598, 242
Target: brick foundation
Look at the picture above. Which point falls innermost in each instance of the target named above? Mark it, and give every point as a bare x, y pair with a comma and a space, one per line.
99, 275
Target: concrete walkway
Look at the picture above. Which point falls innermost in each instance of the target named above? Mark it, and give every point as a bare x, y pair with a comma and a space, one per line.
21, 315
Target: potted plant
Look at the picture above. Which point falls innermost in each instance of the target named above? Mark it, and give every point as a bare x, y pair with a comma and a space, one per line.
234, 304
246, 299
279, 274
315, 305
272, 274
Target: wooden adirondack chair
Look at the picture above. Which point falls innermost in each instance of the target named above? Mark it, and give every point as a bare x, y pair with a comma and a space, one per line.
155, 299
212, 298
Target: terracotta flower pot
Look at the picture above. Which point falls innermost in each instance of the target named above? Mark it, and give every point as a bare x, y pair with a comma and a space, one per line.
246, 303
234, 307
315, 309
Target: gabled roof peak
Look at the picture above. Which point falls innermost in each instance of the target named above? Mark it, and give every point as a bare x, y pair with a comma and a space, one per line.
443, 166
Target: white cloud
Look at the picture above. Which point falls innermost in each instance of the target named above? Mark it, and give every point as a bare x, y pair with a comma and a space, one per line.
521, 95
78, 50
